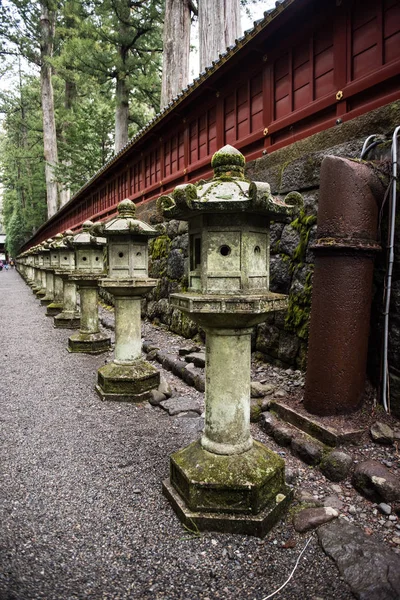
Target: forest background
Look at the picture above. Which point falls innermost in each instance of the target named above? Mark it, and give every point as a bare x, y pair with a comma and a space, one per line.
79, 78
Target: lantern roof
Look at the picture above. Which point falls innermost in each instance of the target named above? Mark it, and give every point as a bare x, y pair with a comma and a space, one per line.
125, 223
227, 192
86, 237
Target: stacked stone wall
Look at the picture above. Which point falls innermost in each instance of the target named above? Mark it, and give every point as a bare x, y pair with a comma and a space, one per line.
282, 339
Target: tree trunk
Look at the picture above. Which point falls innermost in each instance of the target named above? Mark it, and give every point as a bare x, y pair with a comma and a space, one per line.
176, 45
219, 26
47, 27
70, 93
121, 113
122, 88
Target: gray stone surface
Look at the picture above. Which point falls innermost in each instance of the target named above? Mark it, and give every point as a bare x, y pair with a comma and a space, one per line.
280, 275
188, 350
310, 518
334, 502
308, 450
382, 433
197, 358
336, 465
384, 508
305, 497
290, 239
376, 482
259, 390
156, 397
370, 568
282, 435
165, 387
268, 421
174, 406
175, 264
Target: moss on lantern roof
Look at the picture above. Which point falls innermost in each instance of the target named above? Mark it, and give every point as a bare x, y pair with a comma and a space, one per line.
125, 223
86, 237
227, 191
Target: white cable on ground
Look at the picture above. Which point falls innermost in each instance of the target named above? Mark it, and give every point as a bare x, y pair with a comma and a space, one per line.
291, 574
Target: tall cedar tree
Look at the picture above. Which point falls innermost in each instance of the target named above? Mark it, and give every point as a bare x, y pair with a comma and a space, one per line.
29, 28
120, 40
219, 27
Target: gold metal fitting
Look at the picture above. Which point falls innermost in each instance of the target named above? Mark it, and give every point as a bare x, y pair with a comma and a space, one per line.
184, 171
339, 95
265, 132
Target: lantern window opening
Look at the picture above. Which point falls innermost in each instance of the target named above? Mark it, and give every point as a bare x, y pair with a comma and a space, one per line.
196, 252
225, 250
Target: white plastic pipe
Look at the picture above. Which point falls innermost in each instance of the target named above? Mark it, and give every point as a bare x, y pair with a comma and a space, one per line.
392, 223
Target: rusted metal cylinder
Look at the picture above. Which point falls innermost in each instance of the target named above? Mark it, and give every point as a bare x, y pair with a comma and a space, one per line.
350, 197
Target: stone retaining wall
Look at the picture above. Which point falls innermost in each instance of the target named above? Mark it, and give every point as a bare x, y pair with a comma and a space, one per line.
282, 339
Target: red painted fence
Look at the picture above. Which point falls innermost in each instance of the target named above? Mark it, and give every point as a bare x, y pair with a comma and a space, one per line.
307, 65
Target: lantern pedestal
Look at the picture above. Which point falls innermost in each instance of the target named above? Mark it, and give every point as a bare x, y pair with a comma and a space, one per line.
129, 378
227, 481
41, 291
241, 493
127, 383
49, 297
89, 339
69, 317
55, 307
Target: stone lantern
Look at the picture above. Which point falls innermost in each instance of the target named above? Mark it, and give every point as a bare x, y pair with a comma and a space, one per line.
69, 317
24, 266
89, 269
40, 290
227, 481
128, 377
34, 282
48, 298
56, 306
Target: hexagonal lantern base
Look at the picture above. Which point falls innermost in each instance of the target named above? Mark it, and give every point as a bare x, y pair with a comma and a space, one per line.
127, 383
54, 309
241, 493
46, 301
89, 343
67, 320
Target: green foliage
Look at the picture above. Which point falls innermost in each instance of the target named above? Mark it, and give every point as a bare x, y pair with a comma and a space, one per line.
21, 163
118, 42
302, 224
298, 314
161, 247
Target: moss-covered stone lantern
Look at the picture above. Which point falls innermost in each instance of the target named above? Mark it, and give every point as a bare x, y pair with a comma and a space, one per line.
89, 269
128, 377
227, 481
56, 306
69, 317
36, 282
49, 273
40, 290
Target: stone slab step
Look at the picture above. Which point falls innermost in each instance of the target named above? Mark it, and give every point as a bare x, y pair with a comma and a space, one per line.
323, 433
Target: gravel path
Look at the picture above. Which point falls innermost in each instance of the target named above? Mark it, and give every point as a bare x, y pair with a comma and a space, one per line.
81, 509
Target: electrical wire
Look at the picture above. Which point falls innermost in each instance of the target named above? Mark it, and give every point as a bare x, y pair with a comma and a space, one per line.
364, 148
291, 574
388, 287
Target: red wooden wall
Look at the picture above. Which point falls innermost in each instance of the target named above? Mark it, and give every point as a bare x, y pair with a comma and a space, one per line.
315, 63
